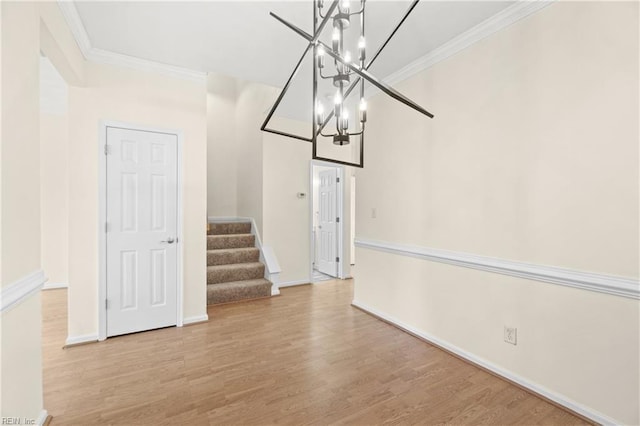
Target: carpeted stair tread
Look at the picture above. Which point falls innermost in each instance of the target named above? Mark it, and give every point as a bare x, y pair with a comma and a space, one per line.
235, 272
215, 242
232, 256
238, 290
230, 228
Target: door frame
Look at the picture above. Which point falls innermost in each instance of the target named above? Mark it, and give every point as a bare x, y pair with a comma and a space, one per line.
339, 208
102, 218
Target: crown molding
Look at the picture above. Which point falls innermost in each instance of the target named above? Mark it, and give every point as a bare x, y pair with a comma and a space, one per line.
495, 23
101, 56
118, 59
70, 13
584, 280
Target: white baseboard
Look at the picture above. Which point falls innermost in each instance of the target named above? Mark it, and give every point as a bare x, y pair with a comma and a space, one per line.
78, 340
52, 286
293, 283
474, 359
42, 417
195, 319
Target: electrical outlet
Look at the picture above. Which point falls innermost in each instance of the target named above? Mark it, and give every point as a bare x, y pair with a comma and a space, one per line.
511, 335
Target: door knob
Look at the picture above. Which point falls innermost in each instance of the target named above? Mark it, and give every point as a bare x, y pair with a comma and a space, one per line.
168, 241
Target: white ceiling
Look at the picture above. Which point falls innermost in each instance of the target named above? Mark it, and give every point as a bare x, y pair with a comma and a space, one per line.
240, 39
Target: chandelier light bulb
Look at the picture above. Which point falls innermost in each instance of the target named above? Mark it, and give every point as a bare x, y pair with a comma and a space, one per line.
321, 57
337, 99
345, 119
363, 110
344, 6
335, 40
361, 48
320, 114
347, 56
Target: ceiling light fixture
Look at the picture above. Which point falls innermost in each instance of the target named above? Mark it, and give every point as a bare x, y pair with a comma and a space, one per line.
343, 70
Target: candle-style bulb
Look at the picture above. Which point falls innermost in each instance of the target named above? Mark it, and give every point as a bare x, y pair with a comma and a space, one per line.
337, 100
344, 6
361, 48
347, 56
321, 57
363, 110
345, 119
320, 114
335, 40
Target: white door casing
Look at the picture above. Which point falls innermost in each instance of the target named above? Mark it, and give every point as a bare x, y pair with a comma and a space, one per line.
327, 223
142, 230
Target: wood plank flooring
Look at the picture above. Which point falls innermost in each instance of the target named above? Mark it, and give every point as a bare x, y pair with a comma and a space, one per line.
306, 357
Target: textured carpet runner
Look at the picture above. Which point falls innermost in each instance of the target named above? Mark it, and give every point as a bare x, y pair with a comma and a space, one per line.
234, 270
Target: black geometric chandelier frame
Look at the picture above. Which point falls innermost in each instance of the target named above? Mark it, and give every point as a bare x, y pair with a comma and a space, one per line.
346, 67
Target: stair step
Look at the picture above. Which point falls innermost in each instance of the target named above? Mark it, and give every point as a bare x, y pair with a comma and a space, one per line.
230, 228
215, 242
232, 256
236, 272
238, 290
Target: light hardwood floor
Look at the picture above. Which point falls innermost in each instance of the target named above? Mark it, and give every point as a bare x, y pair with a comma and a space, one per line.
306, 357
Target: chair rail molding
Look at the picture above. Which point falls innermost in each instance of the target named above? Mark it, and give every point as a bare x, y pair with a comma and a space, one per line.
20, 290
601, 283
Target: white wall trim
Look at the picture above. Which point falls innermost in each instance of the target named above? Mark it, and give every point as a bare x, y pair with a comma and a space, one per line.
294, 282
101, 56
608, 284
18, 291
532, 386
42, 417
493, 24
53, 286
78, 340
196, 319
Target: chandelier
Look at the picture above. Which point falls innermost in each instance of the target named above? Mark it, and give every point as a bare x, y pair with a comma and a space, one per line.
346, 71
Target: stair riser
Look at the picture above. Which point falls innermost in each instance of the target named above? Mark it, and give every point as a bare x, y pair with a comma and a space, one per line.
215, 297
221, 258
230, 274
230, 241
229, 228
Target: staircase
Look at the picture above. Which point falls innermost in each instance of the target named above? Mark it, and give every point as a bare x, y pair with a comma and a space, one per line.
234, 270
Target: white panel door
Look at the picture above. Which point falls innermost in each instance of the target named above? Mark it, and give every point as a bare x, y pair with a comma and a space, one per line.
327, 226
142, 207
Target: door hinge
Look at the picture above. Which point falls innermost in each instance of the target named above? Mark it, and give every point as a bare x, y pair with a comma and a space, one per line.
106, 227
338, 179
337, 220
107, 150
106, 303
337, 259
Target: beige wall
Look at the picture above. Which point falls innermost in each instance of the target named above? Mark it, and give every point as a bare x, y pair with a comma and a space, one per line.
532, 156
286, 217
54, 196
146, 99
222, 150
253, 100
21, 369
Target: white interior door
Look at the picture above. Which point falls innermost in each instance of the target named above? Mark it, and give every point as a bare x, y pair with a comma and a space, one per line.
142, 207
327, 223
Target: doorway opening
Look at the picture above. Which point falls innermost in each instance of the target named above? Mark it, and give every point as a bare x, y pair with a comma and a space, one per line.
327, 222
